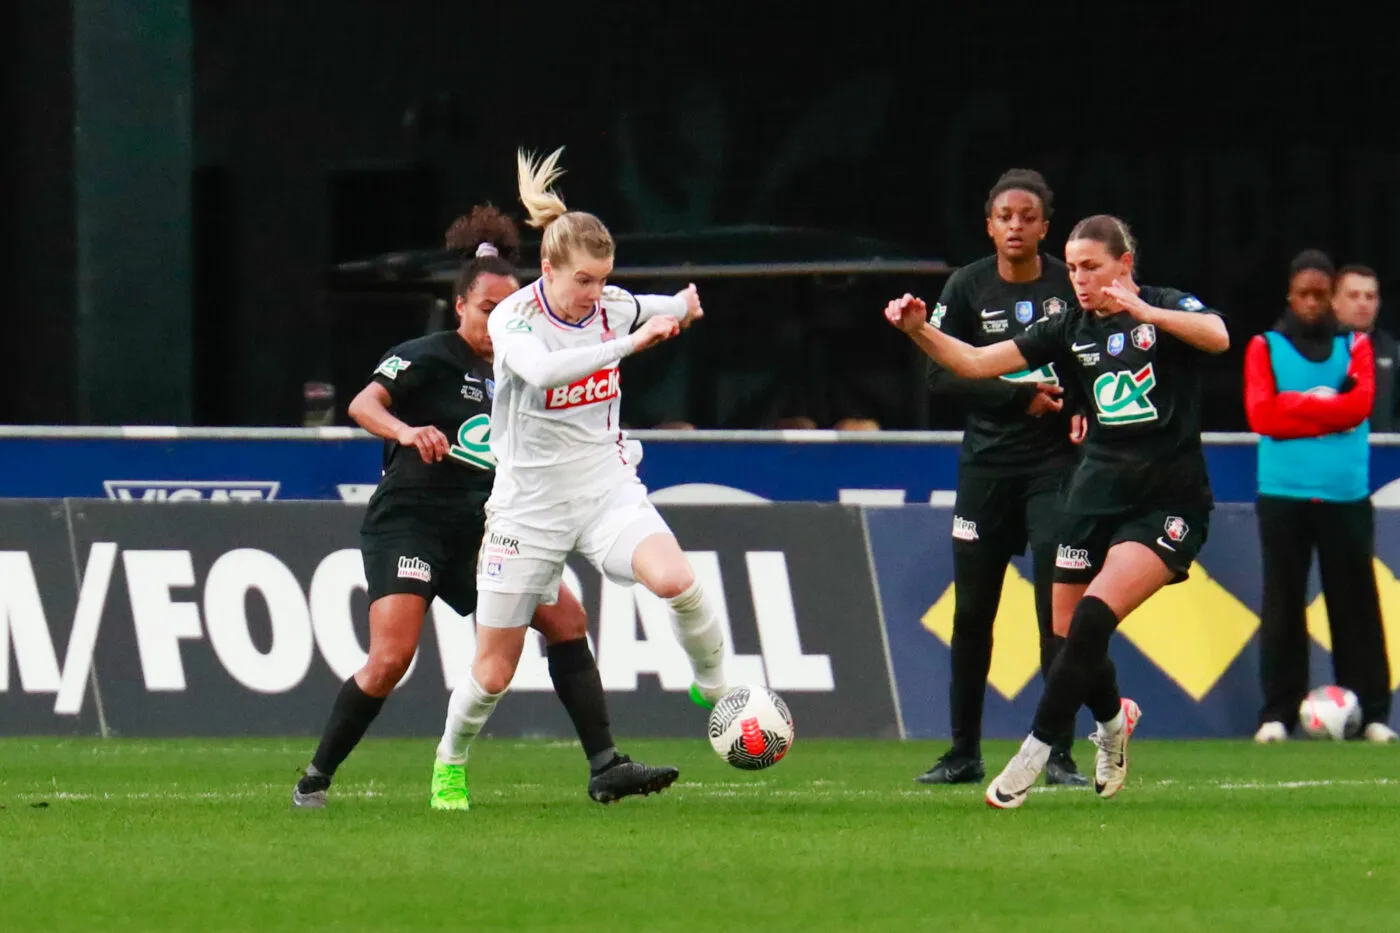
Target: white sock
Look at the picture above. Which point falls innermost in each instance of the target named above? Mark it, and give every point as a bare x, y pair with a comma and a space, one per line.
697, 628
1114, 725
467, 711
1036, 751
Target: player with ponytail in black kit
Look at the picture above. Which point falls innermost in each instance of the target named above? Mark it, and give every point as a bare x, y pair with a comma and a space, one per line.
1137, 507
1017, 448
430, 399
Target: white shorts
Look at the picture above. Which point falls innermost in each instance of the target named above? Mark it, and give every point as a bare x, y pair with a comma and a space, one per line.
518, 559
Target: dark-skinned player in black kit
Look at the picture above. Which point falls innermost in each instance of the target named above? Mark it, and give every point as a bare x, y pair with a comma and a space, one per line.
430, 399
1137, 508
1017, 448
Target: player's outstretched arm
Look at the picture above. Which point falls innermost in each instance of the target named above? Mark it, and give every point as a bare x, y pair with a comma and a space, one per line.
910, 315
527, 356
684, 306
1203, 330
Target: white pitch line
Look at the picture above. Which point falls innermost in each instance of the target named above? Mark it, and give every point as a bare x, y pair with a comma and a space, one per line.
818, 790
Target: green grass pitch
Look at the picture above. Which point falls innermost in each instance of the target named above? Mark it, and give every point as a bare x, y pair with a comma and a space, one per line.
199, 835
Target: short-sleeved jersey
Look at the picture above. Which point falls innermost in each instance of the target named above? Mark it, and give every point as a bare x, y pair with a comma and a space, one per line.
1143, 392
437, 380
979, 307
562, 443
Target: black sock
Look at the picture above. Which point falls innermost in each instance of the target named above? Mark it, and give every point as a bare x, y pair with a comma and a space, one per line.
1102, 696
351, 715
574, 671
1079, 672
978, 578
1050, 649
1043, 571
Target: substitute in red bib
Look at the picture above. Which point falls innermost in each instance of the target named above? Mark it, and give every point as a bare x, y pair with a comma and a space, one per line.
1139, 502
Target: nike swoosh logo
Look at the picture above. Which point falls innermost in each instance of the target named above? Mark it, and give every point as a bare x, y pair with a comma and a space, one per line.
986, 314
1162, 542
468, 377
1007, 798
1080, 347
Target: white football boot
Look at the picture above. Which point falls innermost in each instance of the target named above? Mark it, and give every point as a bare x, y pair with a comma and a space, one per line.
1380, 733
1009, 789
1111, 759
1271, 732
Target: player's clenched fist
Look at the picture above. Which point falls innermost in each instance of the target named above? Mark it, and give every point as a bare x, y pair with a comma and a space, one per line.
654, 331
907, 313
431, 444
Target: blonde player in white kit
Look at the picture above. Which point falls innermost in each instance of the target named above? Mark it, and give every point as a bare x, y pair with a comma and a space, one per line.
566, 478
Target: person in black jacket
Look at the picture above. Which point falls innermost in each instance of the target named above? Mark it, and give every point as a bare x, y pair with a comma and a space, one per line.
1016, 450
1356, 300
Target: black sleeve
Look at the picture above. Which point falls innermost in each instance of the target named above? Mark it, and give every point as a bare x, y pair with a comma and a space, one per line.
1045, 341
397, 373
955, 316
1172, 299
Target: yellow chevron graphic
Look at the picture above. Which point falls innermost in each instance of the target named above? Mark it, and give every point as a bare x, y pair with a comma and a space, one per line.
1192, 631
1015, 635
1389, 588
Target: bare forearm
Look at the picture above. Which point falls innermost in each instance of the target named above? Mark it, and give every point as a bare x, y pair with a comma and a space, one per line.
369, 413
966, 360
1203, 331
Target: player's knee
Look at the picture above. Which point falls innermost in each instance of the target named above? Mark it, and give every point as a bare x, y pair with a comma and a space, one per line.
492, 674
385, 668
673, 581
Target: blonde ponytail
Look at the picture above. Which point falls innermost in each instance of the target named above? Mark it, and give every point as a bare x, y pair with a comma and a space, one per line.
536, 178
564, 230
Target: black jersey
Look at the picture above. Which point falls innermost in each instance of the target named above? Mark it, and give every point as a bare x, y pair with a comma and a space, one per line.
979, 307
438, 380
1142, 391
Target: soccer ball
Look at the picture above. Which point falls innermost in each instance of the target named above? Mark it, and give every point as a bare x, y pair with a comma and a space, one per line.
1330, 713
751, 728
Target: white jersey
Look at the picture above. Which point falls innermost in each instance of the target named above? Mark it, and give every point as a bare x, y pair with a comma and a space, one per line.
555, 429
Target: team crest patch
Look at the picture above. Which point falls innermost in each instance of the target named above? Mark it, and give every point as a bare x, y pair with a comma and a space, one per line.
1176, 528
1115, 344
1053, 306
1144, 336
1190, 303
490, 388
1025, 311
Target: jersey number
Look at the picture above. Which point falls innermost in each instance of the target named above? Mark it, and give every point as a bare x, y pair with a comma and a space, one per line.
474, 443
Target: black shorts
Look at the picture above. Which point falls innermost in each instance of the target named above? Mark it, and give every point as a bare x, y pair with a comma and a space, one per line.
999, 515
1176, 536
412, 547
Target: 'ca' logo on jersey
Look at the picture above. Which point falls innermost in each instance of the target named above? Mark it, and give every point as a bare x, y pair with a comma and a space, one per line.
1122, 397
391, 367
518, 324
473, 444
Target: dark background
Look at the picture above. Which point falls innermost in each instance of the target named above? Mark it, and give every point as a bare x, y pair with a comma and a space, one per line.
321, 132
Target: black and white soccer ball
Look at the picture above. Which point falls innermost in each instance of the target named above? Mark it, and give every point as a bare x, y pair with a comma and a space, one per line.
751, 728
1330, 713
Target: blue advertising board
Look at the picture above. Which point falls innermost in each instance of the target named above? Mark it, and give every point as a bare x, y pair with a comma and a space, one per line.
1189, 655
885, 468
